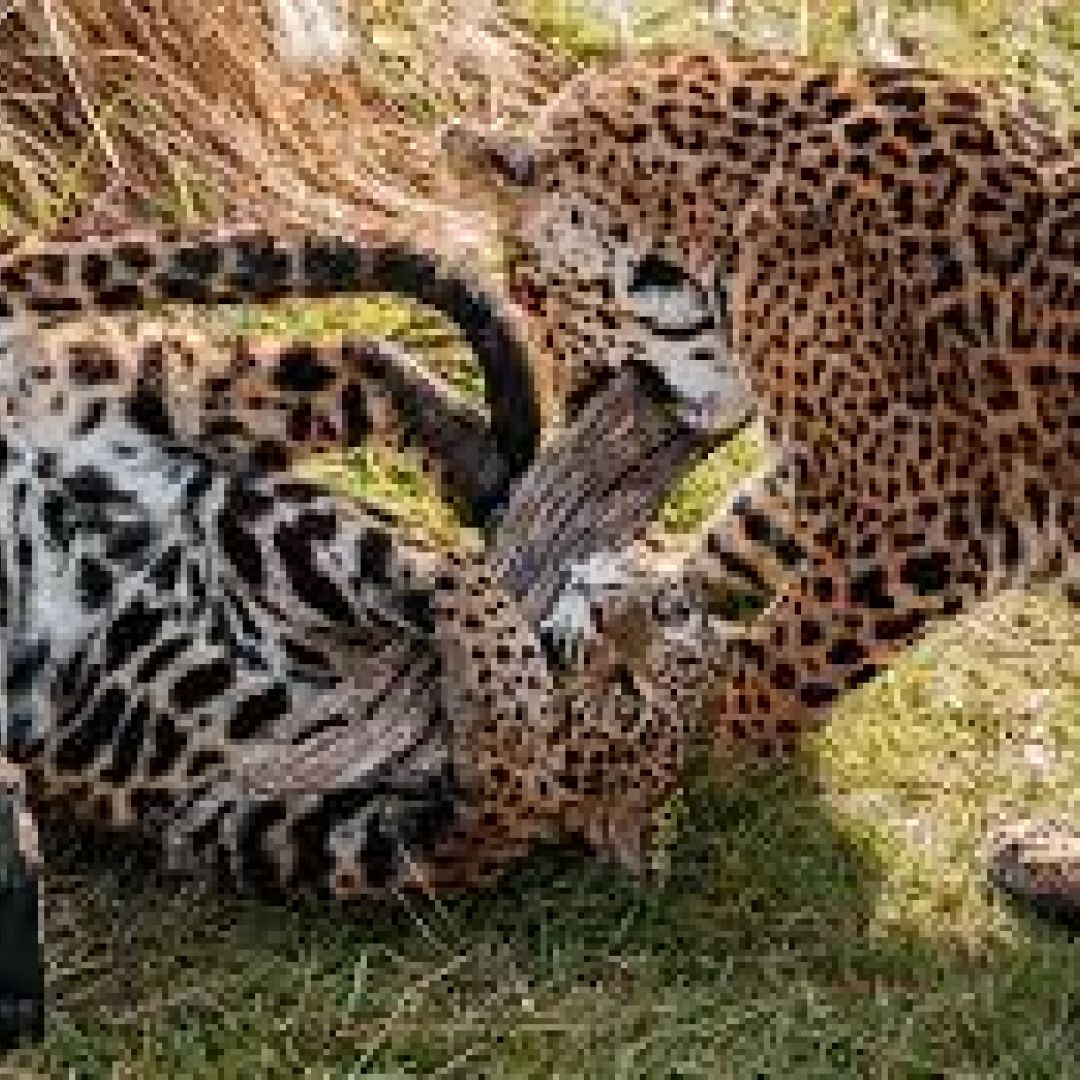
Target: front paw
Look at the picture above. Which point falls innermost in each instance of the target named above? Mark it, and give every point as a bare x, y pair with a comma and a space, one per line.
600, 585
565, 631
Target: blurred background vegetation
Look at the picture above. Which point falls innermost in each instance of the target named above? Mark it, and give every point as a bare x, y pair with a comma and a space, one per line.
824, 919
184, 111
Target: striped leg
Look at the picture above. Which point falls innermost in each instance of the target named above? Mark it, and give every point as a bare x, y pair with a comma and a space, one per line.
344, 809
262, 683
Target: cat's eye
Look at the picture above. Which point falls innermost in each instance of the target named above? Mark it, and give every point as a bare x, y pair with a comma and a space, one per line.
663, 297
656, 273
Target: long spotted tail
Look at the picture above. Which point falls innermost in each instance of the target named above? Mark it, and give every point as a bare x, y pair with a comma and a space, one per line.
248, 266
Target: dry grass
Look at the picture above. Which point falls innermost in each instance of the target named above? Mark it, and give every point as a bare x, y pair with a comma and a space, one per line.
184, 111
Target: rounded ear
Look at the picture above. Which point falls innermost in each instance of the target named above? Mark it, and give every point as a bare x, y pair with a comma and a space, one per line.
509, 161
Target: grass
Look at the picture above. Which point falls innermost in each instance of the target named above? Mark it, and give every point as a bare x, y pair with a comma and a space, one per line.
396, 482
375, 473
702, 490
824, 919
420, 330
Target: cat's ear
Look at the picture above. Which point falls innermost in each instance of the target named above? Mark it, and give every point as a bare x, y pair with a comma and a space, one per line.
508, 162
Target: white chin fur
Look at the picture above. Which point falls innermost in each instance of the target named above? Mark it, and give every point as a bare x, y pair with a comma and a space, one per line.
712, 394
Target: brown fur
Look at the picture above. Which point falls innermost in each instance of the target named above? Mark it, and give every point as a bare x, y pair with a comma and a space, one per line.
898, 253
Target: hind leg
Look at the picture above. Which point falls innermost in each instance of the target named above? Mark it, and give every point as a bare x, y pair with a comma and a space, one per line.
22, 964
277, 401
264, 403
